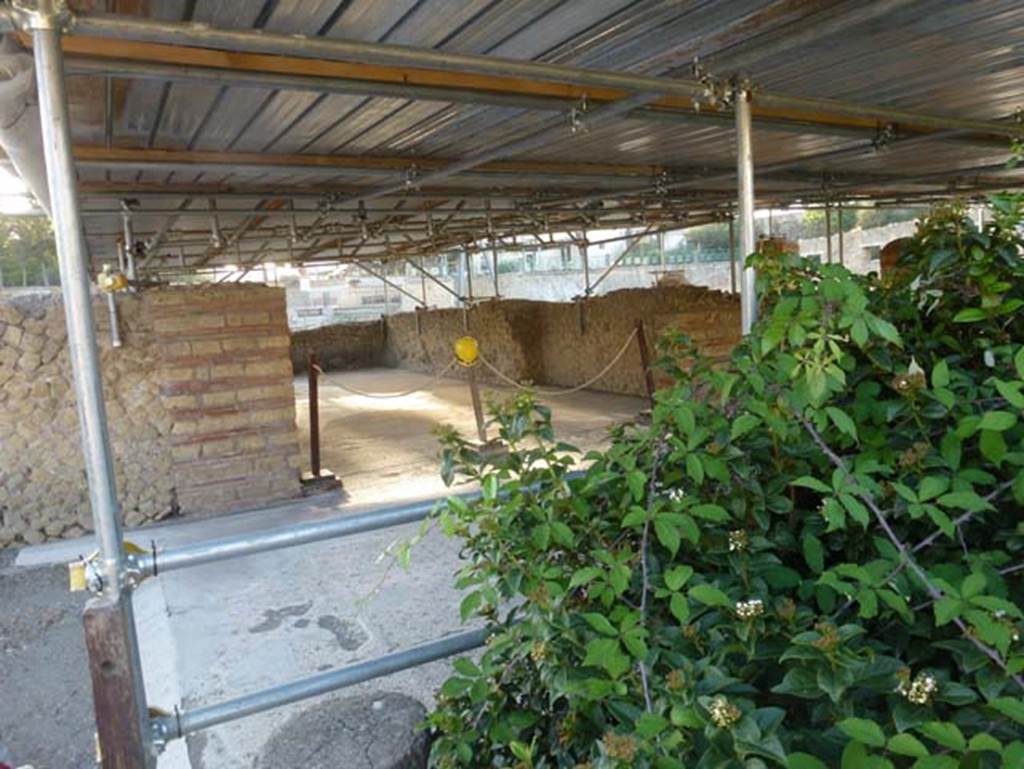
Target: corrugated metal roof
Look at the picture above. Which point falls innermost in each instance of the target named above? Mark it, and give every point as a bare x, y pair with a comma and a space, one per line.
941, 57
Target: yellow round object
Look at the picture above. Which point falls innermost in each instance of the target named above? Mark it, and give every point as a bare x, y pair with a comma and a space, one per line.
467, 350
112, 281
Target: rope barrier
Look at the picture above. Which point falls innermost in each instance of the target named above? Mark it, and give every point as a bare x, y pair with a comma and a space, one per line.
427, 386
546, 392
558, 393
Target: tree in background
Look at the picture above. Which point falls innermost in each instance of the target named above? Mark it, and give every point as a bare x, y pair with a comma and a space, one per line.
28, 254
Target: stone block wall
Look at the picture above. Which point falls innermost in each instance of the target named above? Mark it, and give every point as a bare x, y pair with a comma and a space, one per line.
548, 343
199, 400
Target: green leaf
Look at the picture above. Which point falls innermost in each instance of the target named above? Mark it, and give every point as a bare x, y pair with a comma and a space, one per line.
1010, 707
667, 533
676, 577
884, 329
931, 487
637, 481
940, 374
585, 575
997, 420
466, 667
907, 744
605, 653
694, 468
842, 421
710, 595
946, 609
650, 725
964, 500
600, 623
814, 553
857, 511
685, 419
1011, 392
863, 730
814, 484
742, 425
715, 513
946, 733
804, 761
470, 604
679, 607
982, 742
973, 584
970, 315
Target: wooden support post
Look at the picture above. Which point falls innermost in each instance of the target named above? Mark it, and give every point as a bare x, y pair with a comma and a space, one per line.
313, 370
478, 407
120, 716
645, 360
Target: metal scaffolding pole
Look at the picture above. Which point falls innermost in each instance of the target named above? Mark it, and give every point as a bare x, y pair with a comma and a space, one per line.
828, 233
745, 208
129, 243
189, 721
732, 254
839, 208
120, 699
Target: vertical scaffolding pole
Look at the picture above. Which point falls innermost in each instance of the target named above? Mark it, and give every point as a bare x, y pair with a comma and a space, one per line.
745, 208
732, 254
828, 233
494, 267
839, 208
129, 243
118, 692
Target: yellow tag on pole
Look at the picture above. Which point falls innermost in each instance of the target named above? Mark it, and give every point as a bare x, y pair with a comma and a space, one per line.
467, 350
76, 576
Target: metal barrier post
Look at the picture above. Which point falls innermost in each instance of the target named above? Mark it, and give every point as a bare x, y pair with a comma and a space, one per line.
110, 629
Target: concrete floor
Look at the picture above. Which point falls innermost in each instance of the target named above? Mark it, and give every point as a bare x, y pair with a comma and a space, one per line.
225, 629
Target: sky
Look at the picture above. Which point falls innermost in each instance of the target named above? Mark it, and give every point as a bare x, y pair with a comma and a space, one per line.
14, 195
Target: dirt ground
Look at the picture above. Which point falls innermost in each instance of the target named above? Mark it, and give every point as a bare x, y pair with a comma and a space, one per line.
46, 718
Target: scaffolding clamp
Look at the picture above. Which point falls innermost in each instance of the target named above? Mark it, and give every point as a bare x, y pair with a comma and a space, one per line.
42, 14
87, 574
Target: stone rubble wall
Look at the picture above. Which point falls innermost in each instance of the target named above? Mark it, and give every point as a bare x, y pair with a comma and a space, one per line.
339, 346
559, 344
186, 433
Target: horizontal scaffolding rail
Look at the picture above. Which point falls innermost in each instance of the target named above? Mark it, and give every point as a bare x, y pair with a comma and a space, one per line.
159, 561
181, 724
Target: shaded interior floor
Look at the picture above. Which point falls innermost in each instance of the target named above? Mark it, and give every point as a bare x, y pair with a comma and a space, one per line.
385, 449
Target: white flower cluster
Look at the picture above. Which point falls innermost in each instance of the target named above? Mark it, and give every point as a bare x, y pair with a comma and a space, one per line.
676, 495
723, 713
920, 690
738, 541
748, 610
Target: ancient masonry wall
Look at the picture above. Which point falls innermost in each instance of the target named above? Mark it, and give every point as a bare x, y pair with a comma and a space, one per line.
199, 400
547, 343
340, 346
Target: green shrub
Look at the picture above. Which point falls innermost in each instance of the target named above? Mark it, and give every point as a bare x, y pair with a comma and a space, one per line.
813, 556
